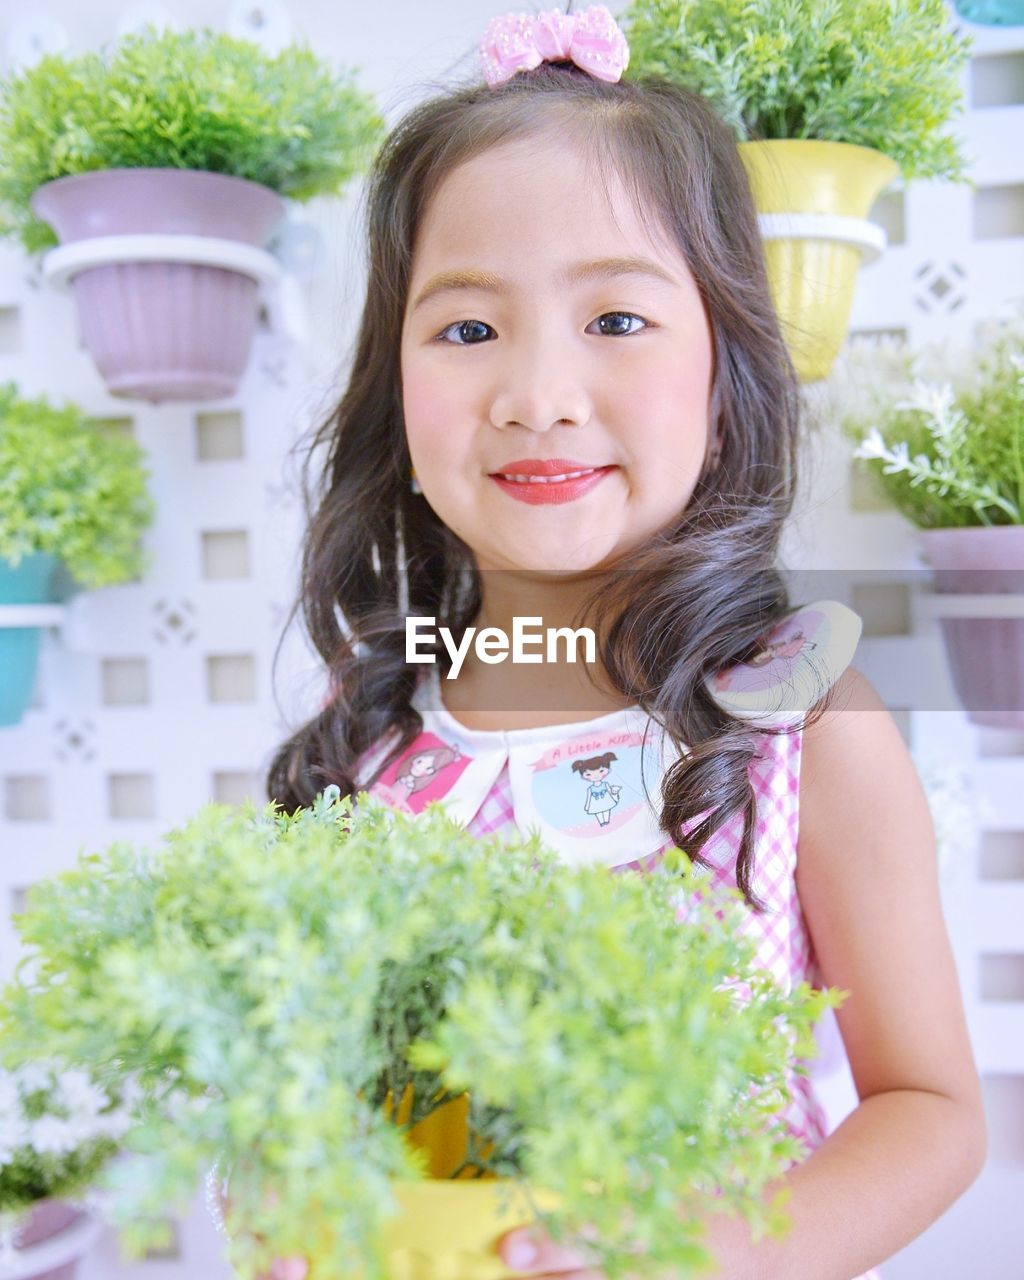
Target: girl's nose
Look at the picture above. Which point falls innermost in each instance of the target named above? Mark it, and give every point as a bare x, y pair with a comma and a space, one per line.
537, 390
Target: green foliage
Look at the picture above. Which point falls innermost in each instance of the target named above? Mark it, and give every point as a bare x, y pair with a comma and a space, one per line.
877, 73
70, 489
189, 100
949, 453
30, 1176
263, 980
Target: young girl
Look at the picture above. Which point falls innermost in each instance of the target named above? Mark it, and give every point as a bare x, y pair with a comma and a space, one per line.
570, 400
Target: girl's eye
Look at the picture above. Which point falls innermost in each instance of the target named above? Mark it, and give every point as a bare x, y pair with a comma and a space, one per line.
464, 326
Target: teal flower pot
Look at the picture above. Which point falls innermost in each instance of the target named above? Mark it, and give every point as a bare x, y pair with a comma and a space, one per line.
29, 583
992, 13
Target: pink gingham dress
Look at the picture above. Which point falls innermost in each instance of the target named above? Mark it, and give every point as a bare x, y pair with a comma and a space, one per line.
498, 780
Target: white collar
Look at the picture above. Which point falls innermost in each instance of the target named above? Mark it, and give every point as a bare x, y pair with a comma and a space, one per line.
603, 816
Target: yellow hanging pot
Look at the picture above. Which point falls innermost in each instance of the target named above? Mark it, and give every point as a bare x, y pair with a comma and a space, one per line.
813, 199
445, 1227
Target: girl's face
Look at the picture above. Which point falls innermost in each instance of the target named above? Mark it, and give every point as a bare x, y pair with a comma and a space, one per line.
596, 775
609, 371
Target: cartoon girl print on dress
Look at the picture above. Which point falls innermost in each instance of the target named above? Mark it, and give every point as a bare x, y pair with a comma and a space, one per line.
789, 647
602, 796
420, 769
783, 645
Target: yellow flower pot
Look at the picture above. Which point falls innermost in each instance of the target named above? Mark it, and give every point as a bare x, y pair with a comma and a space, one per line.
813, 199
446, 1228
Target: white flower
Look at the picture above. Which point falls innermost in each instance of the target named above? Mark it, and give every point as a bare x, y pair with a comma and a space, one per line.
35, 1075
72, 1117
872, 446
10, 1096
899, 458
51, 1135
14, 1133
935, 402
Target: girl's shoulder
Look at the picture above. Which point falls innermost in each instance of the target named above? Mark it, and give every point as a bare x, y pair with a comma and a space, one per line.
798, 660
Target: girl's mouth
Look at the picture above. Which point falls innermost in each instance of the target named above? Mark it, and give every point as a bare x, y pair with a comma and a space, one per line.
564, 487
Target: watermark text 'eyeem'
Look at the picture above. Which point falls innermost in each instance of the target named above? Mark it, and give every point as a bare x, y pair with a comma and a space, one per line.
493, 645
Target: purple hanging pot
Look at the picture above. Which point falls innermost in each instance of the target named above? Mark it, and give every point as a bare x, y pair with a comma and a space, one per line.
50, 1240
986, 655
165, 265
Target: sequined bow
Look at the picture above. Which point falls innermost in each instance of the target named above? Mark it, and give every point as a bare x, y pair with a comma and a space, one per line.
521, 41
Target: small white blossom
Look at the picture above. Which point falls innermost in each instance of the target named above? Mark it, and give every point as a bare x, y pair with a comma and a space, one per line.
71, 1117
872, 446
869, 401
935, 402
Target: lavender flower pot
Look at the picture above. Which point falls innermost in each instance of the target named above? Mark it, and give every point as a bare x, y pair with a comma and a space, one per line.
166, 329
50, 1241
986, 655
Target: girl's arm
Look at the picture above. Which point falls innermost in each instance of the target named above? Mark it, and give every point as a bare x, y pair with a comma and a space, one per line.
867, 875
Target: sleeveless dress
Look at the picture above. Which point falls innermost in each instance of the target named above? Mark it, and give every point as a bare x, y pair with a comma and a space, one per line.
585, 788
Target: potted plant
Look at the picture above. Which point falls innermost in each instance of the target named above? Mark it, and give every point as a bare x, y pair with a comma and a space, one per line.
161, 165
591, 1050
829, 103
992, 13
73, 505
57, 1131
949, 452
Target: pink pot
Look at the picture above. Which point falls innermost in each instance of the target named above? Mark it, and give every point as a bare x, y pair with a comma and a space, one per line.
41, 1223
986, 655
163, 330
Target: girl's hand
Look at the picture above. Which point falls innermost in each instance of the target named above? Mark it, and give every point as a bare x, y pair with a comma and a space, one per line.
291, 1268
532, 1250
286, 1269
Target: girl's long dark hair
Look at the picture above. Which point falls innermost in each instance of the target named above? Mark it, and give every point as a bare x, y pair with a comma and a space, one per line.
690, 602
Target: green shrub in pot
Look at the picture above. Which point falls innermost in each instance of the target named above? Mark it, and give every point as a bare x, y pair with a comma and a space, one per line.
946, 445
180, 100
829, 103
268, 981
162, 164
947, 451
70, 490
57, 1132
73, 506
872, 73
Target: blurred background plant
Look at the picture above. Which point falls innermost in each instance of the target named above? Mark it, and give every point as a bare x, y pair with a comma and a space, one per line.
70, 489
57, 1132
883, 74
181, 100
942, 429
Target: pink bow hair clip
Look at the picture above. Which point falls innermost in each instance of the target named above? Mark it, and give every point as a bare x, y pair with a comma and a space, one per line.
519, 42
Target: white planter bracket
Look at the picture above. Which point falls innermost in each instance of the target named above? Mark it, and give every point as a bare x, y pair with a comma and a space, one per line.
866, 236
951, 605
62, 264
57, 1251
32, 615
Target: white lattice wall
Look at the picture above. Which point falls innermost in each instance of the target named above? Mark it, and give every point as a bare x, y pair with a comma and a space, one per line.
955, 261
158, 695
